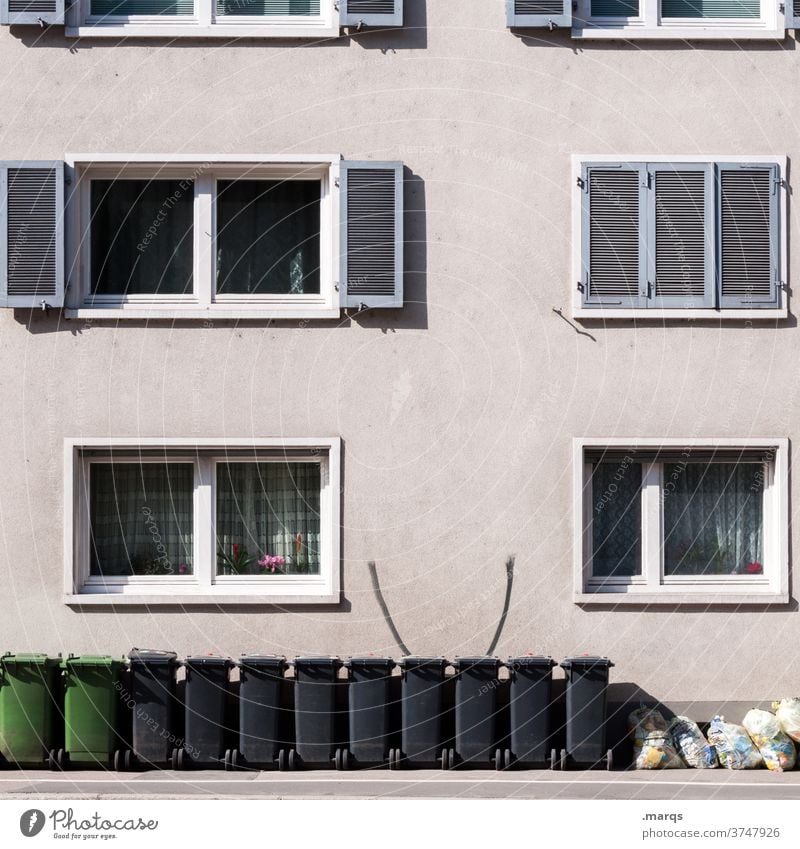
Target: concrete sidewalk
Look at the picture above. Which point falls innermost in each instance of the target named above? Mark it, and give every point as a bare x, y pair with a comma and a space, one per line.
427, 784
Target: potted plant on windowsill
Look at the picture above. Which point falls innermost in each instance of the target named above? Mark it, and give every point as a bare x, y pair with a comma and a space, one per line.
238, 562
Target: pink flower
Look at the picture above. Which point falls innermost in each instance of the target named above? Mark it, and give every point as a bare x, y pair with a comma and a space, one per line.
183, 569
236, 550
271, 562
754, 569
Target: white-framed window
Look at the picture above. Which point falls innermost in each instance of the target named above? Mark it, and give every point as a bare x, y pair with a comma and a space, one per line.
679, 19
679, 237
669, 520
197, 521
203, 18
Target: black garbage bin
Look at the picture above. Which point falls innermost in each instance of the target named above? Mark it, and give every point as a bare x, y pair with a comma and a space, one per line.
369, 703
530, 698
317, 741
422, 711
261, 728
152, 700
586, 711
477, 738
204, 711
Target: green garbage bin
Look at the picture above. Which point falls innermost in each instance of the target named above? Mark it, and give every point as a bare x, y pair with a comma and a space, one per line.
28, 687
92, 685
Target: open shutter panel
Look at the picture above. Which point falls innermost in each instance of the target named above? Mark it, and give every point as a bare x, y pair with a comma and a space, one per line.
371, 13
614, 236
749, 252
31, 234
539, 13
31, 12
372, 234
681, 236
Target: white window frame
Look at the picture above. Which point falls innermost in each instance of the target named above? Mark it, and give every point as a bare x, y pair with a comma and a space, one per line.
204, 23
659, 314
203, 302
652, 587
204, 586
650, 25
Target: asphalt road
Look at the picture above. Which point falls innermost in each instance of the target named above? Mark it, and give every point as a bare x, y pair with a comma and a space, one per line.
426, 784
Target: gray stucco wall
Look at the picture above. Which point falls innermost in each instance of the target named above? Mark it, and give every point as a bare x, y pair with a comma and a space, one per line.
457, 412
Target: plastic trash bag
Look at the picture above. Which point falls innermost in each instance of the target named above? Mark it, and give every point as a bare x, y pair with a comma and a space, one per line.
691, 743
735, 749
788, 713
652, 742
775, 747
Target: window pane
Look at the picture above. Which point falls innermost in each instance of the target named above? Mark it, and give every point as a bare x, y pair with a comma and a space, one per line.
141, 518
616, 519
713, 518
615, 8
710, 8
268, 237
272, 8
126, 8
268, 518
141, 235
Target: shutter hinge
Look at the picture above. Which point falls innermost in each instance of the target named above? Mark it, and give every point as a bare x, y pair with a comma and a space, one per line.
337, 182
581, 183
581, 287
778, 184
782, 8
648, 181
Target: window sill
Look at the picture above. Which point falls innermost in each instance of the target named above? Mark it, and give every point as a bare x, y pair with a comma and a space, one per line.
701, 596
204, 313
181, 30
686, 315
186, 599
680, 32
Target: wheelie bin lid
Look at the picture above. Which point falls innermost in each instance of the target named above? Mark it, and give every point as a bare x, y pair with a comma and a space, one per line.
415, 662
152, 656
92, 660
207, 660
314, 660
277, 661
30, 659
585, 660
460, 663
370, 660
531, 660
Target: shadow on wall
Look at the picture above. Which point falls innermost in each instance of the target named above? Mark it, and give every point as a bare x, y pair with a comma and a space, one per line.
412, 316
413, 35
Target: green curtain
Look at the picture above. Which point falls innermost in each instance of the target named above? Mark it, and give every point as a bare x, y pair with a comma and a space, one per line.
141, 518
266, 8
616, 519
142, 237
268, 239
713, 518
261, 509
127, 8
710, 9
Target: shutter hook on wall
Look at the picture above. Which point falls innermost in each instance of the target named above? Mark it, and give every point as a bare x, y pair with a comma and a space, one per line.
552, 24
44, 305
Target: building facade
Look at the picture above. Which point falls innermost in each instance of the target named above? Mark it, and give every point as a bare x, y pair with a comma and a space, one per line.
495, 297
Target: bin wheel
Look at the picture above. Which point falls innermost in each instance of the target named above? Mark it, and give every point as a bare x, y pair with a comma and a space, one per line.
345, 759
394, 759
445, 759
498, 759
553, 759
118, 762
52, 763
282, 760
293, 760
129, 761
177, 759
391, 759
507, 759
235, 759
563, 760
227, 760
62, 759
337, 759
610, 760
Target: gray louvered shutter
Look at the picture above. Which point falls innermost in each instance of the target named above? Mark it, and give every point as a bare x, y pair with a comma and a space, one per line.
31, 234
371, 13
539, 13
614, 236
38, 12
681, 236
749, 236
372, 234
